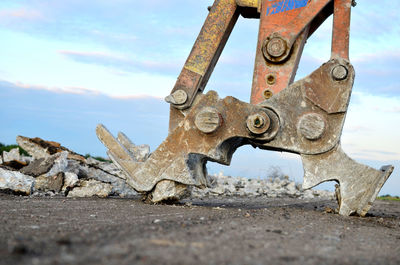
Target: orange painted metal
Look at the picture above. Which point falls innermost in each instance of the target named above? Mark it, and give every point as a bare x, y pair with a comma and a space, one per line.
341, 29
291, 25
204, 55
207, 49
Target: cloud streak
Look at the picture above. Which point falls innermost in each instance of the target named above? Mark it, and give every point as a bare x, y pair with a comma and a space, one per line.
122, 63
24, 14
67, 90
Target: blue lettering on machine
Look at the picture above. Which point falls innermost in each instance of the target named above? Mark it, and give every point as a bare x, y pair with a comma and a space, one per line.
285, 5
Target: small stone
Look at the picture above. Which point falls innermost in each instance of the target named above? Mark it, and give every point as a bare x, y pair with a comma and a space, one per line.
291, 188
329, 210
89, 188
16, 181
308, 194
219, 189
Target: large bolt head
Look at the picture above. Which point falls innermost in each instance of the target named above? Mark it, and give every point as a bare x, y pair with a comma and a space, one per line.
276, 47
339, 72
258, 123
208, 120
312, 126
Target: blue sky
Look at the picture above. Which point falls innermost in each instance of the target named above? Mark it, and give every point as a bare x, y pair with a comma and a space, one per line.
67, 65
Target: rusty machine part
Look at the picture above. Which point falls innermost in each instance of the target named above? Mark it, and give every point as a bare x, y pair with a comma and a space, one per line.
305, 117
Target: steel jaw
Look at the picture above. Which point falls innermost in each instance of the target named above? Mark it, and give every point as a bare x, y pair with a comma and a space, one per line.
305, 118
182, 157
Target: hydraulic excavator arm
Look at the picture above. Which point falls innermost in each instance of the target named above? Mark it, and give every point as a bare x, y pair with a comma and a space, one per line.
305, 117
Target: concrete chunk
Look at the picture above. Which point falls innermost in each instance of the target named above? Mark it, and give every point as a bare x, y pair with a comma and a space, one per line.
49, 183
89, 188
16, 181
13, 155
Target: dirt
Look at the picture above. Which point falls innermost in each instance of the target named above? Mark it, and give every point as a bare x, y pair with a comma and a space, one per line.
56, 230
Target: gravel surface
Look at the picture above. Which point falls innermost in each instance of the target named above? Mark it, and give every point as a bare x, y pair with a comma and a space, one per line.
220, 230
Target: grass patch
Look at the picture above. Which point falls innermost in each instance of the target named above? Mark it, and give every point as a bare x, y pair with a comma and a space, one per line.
99, 158
389, 198
8, 148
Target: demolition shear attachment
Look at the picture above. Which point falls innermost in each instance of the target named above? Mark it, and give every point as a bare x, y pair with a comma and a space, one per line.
305, 117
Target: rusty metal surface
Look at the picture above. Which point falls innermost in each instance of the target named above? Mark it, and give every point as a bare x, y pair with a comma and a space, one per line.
291, 24
305, 117
341, 29
249, 3
328, 93
207, 49
293, 103
271, 77
182, 156
358, 184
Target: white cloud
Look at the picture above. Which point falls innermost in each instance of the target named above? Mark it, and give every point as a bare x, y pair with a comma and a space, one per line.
372, 128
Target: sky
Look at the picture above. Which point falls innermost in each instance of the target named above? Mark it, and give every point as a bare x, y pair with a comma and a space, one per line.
67, 65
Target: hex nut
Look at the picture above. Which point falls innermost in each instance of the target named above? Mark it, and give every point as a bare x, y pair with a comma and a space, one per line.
258, 123
208, 120
312, 126
276, 47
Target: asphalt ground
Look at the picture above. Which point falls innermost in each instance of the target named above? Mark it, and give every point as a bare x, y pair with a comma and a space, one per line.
228, 230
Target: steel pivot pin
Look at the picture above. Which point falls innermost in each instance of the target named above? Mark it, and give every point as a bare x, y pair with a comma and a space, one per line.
179, 97
258, 123
339, 72
276, 47
208, 120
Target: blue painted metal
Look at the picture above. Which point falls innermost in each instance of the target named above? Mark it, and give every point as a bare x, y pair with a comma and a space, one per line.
280, 6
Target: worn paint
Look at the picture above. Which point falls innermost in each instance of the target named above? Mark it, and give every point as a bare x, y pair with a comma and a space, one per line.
280, 6
305, 117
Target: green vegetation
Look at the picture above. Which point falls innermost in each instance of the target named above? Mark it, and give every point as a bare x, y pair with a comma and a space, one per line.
7, 148
387, 197
99, 158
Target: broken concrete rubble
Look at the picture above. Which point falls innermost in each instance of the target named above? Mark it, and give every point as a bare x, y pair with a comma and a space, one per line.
12, 155
71, 180
89, 188
39, 148
54, 169
169, 190
236, 186
52, 183
16, 182
58, 170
